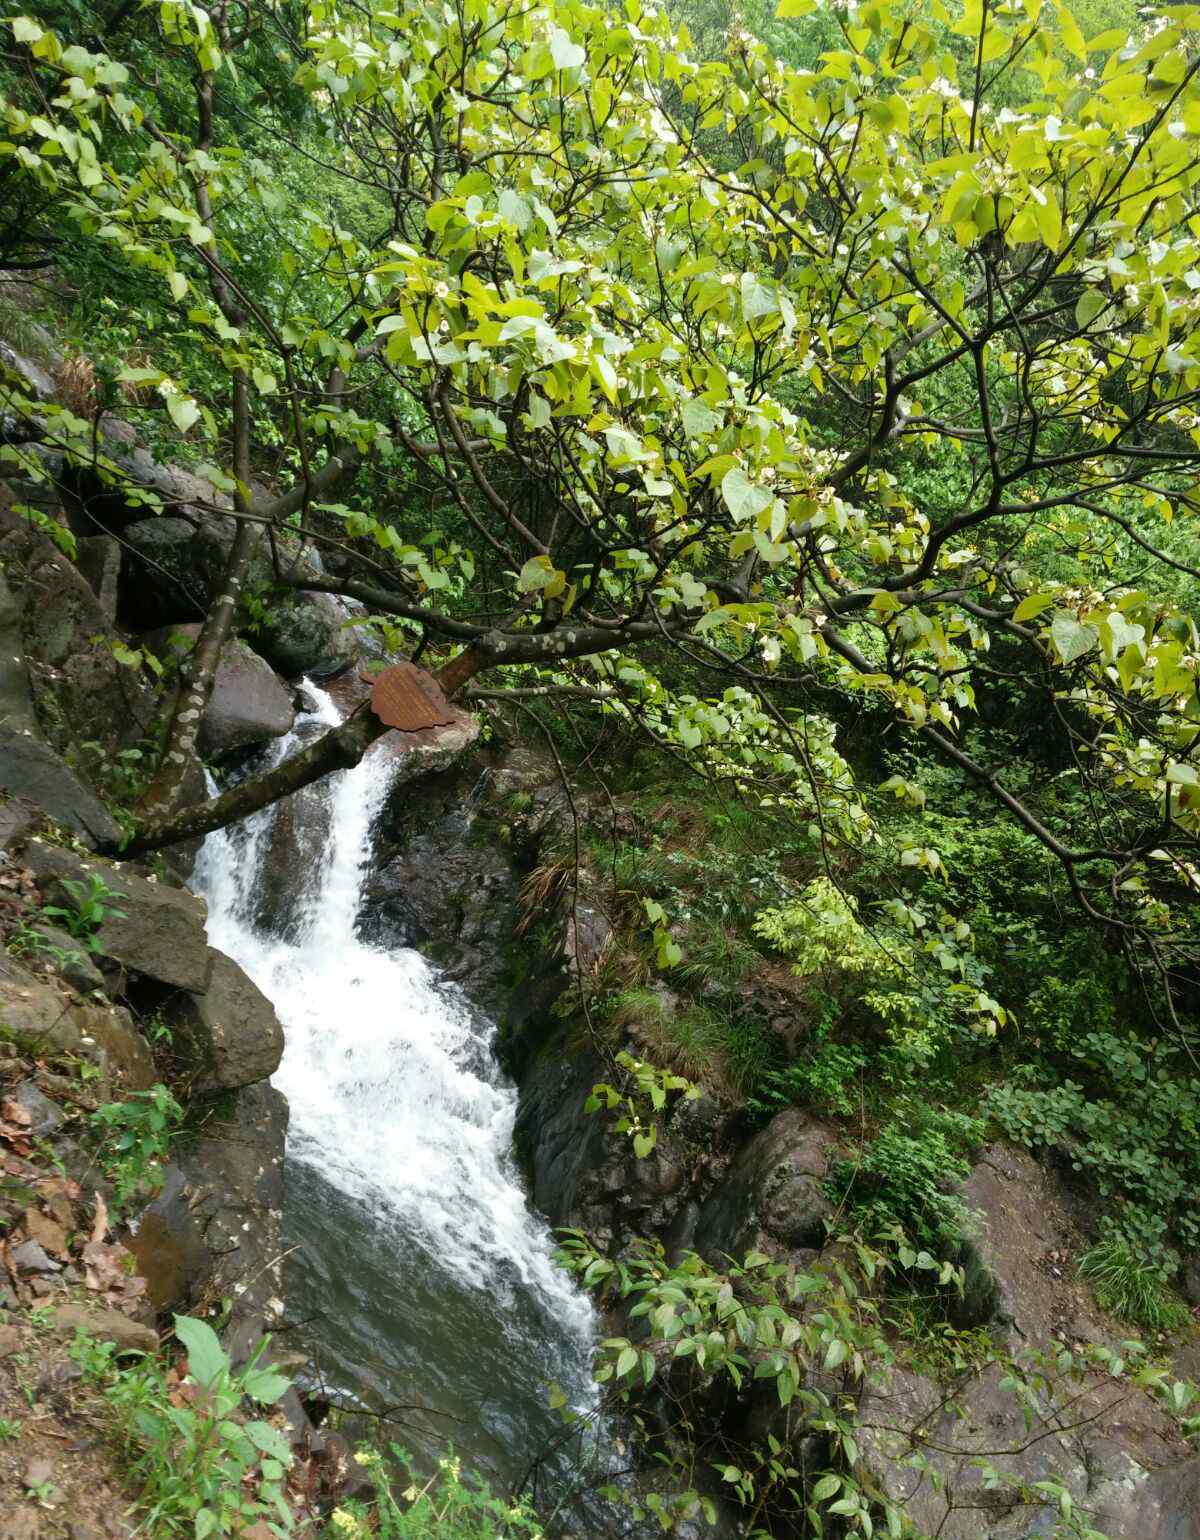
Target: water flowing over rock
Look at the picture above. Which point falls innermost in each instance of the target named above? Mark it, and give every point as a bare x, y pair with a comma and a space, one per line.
418, 1263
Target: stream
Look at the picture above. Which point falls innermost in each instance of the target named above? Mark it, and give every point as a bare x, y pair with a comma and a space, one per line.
423, 1280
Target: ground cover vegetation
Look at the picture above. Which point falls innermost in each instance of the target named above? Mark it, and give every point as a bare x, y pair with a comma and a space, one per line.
796, 415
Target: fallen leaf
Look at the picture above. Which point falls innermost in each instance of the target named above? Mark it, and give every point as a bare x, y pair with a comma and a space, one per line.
47, 1232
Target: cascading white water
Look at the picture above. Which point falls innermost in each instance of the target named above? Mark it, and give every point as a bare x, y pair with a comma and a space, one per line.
414, 1241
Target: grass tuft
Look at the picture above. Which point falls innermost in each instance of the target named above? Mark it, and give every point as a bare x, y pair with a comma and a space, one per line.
1130, 1286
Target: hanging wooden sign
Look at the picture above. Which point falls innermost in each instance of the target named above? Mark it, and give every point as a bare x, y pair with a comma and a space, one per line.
410, 700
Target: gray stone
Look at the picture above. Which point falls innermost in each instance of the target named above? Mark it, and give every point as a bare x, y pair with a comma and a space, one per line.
32, 770
234, 1177
38, 381
45, 1116
231, 1031
28, 1257
308, 633
159, 930
16, 694
45, 1016
99, 559
68, 958
105, 1325
163, 583
772, 1193
83, 696
18, 819
249, 705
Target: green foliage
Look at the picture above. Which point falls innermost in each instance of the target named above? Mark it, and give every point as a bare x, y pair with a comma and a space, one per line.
136, 1139
1129, 1124
644, 1092
90, 906
203, 1465
446, 1506
903, 1175
1126, 1283
827, 1077
802, 1344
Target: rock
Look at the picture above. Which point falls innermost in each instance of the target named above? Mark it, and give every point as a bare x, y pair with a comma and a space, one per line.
772, 1192
308, 633
1189, 1280
1103, 1456
151, 928
10, 1341
233, 1193
19, 1522
68, 957
99, 559
1025, 1228
249, 704
82, 695
31, 770
105, 1325
28, 1257
16, 693
231, 1032
18, 819
45, 1116
38, 381
173, 568
45, 1016
169, 1248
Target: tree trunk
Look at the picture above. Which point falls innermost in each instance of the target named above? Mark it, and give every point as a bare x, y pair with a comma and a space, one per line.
339, 749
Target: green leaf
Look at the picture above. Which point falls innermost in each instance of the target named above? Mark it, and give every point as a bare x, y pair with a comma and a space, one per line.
183, 411
828, 1486
265, 1386
743, 499
1087, 307
566, 54
1031, 605
206, 1356
627, 1362
1072, 639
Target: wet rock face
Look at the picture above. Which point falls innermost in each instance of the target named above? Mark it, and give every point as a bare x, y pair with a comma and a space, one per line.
231, 1032
771, 1199
216, 1223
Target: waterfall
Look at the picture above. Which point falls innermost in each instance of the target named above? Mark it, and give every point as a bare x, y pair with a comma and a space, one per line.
425, 1275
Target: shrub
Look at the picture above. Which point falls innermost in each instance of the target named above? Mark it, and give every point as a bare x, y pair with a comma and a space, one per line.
202, 1467
445, 1507
1131, 1123
904, 1175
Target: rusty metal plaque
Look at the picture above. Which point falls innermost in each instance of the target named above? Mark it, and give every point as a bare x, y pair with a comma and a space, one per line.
410, 700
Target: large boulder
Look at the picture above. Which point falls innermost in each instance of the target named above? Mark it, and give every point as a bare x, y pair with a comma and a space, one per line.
43, 1015
308, 633
772, 1197
149, 927
231, 1031
88, 704
32, 771
172, 569
1112, 1449
249, 704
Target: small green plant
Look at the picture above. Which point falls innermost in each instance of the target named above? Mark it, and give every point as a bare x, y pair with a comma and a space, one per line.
904, 1176
827, 1077
10, 1428
92, 905
137, 1138
447, 1506
643, 1094
203, 1467
25, 941
1131, 1286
